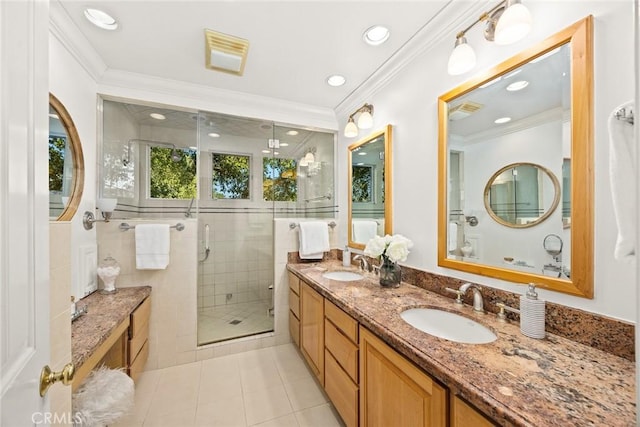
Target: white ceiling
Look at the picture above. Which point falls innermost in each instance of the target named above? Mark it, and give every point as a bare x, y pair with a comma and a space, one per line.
294, 45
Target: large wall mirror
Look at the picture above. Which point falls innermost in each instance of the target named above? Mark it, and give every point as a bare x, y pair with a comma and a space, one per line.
369, 211
66, 163
514, 142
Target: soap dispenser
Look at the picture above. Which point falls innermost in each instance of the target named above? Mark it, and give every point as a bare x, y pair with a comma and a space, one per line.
532, 313
346, 257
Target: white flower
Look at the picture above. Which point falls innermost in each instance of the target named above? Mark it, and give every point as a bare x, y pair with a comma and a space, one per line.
395, 247
375, 247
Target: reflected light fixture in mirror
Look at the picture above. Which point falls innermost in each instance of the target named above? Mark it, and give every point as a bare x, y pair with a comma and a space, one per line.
365, 121
508, 22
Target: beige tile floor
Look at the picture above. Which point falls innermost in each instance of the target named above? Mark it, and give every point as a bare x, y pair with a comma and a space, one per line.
214, 323
270, 387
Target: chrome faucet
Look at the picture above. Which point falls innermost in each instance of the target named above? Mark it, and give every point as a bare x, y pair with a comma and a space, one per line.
478, 302
364, 264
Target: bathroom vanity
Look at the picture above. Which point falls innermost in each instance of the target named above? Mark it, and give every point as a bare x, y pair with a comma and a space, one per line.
114, 332
375, 367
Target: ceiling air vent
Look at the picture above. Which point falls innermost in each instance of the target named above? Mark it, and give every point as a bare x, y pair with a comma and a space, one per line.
463, 110
225, 53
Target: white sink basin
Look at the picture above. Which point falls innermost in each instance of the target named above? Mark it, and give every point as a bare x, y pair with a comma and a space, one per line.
450, 326
343, 276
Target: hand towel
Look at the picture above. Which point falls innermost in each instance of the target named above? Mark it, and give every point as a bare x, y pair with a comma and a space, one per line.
314, 239
152, 246
452, 237
363, 231
623, 183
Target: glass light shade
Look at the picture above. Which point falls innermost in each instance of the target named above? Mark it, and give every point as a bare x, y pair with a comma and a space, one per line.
365, 121
309, 157
462, 59
351, 130
107, 205
514, 24
303, 162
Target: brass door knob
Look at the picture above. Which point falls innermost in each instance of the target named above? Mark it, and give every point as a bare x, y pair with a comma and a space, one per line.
47, 378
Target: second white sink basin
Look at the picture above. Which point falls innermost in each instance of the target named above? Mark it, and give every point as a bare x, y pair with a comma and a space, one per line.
450, 326
343, 276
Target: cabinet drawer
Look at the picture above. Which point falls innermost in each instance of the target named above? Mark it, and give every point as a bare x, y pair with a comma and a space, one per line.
341, 390
294, 283
294, 303
342, 349
137, 366
294, 328
140, 318
344, 322
136, 342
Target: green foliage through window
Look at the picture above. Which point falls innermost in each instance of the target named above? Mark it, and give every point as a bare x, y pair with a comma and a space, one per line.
57, 147
362, 187
173, 173
231, 176
279, 180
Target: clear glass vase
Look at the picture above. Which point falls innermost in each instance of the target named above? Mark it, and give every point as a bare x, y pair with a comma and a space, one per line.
390, 273
108, 272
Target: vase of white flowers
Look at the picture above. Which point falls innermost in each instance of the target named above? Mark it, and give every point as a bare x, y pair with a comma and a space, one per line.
390, 249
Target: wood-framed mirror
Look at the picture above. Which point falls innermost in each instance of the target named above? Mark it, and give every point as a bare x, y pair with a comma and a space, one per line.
66, 163
370, 211
521, 195
544, 98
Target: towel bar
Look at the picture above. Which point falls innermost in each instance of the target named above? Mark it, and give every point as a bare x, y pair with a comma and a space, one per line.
124, 226
293, 225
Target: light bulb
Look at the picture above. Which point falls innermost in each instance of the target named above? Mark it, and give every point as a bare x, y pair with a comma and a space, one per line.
462, 59
514, 24
309, 157
303, 162
351, 130
365, 121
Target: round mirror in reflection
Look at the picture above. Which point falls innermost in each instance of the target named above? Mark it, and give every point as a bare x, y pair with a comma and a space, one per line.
521, 195
66, 163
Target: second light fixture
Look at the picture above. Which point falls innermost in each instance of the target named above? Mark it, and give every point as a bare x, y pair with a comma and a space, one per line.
365, 121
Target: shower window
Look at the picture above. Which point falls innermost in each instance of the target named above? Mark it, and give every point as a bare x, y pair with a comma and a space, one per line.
362, 183
231, 176
172, 173
279, 180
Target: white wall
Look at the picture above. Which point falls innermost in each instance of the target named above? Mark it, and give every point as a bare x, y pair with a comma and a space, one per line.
409, 102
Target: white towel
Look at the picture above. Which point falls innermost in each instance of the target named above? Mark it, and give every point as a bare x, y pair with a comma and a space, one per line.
452, 237
623, 183
363, 231
314, 239
152, 246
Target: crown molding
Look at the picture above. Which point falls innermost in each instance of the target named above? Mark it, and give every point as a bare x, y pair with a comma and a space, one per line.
62, 27
128, 85
451, 18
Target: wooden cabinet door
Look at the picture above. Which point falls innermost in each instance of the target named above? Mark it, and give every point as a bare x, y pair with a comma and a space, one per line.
395, 392
312, 329
463, 415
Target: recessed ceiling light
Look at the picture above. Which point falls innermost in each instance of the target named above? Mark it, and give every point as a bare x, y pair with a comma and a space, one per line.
193, 148
284, 144
266, 151
502, 120
100, 19
519, 85
157, 116
336, 80
362, 153
214, 135
54, 116
359, 164
376, 35
292, 132
275, 153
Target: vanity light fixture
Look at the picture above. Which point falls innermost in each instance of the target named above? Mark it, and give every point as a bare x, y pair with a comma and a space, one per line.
508, 22
107, 206
100, 19
365, 121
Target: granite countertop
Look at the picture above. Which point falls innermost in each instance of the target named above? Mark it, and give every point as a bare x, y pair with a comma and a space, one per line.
514, 380
105, 312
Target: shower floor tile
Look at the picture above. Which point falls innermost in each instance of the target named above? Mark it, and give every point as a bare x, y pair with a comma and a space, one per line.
233, 321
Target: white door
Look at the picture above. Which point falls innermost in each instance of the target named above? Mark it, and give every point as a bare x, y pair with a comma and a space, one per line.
24, 210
